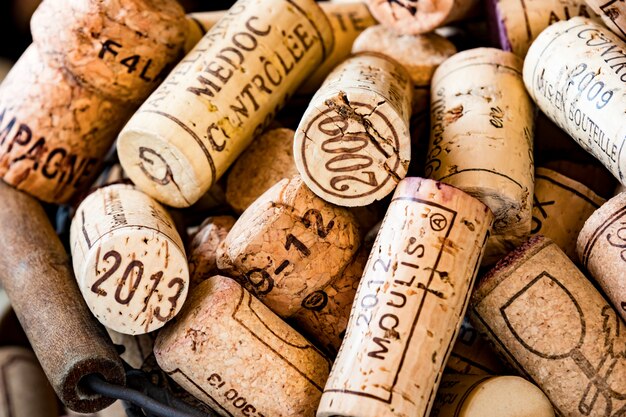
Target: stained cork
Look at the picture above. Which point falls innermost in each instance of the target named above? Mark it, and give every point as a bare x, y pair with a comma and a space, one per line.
561, 208
129, 260
221, 95
471, 355
409, 304
555, 328
268, 160
613, 14
203, 247
121, 50
517, 23
347, 20
575, 72
415, 17
24, 388
53, 132
602, 250
324, 315
233, 353
481, 396
481, 139
288, 245
420, 55
353, 144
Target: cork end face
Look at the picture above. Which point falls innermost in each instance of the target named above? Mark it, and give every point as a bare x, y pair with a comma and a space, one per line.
159, 169
412, 17
507, 396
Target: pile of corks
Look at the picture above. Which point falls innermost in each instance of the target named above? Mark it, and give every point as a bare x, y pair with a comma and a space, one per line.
290, 208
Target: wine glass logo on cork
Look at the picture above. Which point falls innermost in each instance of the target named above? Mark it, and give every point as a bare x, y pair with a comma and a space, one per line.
559, 343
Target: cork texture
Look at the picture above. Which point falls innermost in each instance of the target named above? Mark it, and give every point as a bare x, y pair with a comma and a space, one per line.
233, 353
203, 247
415, 17
500, 396
266, 161
53, 132
24, 389
409, 304
347, 20
120, 49
129, 260
482, 139
221, 95
353, 145
575, 72
602, 250
324, 315
555, 328
613, 13
561, 208
289, 244
519, 22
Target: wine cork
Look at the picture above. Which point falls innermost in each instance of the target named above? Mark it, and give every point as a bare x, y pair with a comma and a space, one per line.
129, 260
481, 139
222, 95
268, 160
288, 245
353, 144
415, 17
555, 328
203, 247
53, 132
613, 14
561, 207
420, 55
517, 23
24, 389
409, 304
121, 50
484, 396
233, 353
471, 355
114, 410
324, 314
347, 20
574, 72
602, 250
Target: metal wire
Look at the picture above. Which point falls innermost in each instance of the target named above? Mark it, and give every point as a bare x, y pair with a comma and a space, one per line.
143, 399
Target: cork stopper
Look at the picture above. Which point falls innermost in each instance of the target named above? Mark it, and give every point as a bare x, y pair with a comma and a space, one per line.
561, 207
119, 49
573, 71
347, 20
53, 131
555, 328
481, 139
613, 15
415, 17
518, 23
25, 390
324, 315
500, 396
353, 145
232, 352
129, 260
203, 247
268, 160
289, 244
409, 304
602, 250
221, 95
